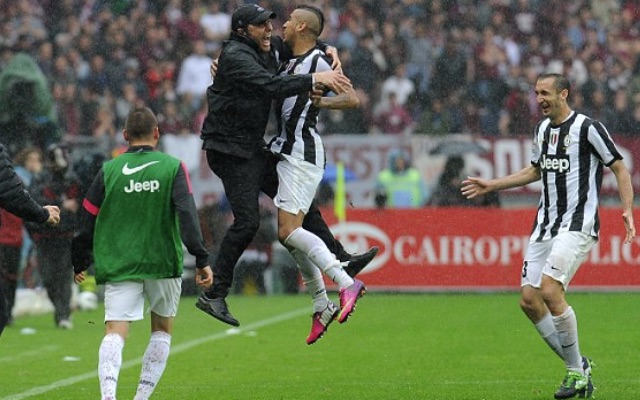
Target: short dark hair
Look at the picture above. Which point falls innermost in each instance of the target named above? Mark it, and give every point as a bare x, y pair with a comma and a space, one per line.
318, 12
560, 82
141, 122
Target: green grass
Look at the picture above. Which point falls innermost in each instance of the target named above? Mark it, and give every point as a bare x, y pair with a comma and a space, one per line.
411, 346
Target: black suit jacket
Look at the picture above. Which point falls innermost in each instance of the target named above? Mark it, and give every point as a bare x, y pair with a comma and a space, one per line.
240, 97
13, 195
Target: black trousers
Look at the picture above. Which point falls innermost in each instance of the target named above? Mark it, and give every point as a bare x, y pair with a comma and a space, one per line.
4, 313
9, 268
243, 180
54, 259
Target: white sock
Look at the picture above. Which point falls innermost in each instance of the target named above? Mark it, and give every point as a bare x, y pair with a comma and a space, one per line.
109, 363
153, 363
319, 254
312, 279
547, 330
567, 328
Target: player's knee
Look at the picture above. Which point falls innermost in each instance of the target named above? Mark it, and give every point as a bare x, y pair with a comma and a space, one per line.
526, 305
530, 301
284, 231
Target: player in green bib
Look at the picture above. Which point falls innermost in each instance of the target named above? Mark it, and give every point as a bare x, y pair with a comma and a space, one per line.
135, 217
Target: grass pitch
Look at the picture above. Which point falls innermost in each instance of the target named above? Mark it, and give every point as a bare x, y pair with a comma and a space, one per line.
404, 346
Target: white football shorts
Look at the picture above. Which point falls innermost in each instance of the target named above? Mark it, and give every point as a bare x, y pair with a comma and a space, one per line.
124, 301
298, 181
558, 258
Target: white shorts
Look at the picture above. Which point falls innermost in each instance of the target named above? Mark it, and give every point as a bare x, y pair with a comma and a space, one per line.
558, 258
124, 301
297, 184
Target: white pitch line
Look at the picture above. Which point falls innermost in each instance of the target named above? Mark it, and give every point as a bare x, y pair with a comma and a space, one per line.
31, 353
174, 349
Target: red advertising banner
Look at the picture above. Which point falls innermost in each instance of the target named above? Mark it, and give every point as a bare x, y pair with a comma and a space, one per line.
365, 156
477, 249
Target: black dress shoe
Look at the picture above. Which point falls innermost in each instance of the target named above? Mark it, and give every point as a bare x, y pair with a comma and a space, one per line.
357, 262
217, 308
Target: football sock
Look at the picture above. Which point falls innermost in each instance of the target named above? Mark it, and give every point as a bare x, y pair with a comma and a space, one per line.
547, 330
109, 362
312, 279
567, 327
153, 363
320, 255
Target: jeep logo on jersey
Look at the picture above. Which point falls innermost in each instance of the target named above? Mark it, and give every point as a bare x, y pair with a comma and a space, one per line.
146, 186
551, 163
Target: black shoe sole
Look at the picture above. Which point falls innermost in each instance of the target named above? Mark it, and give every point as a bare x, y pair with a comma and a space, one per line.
219, 317
353, 268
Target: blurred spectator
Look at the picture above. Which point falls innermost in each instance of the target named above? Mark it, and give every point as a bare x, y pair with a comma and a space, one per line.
97, 80
157, 74
194, 76
104, 130
86, 168
489, 66
598, 105
170, 121
399, 85
57, 185
618, 118
437, 119
342, 122
198, 118
450, 71
400, 185
67, 107
28, 164
535, 54
44, 57
394, 118
594, 47
447, 192
134, 77
635, 118
524, 17
633, 87
216, 24
363, 63
183, 145
421, 54
517, 119
79, 64
188, 31
568, 64
471, 116
124, 102
598, 80
27, 115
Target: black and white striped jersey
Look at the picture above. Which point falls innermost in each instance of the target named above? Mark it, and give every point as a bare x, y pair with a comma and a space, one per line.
297, 117
571, 157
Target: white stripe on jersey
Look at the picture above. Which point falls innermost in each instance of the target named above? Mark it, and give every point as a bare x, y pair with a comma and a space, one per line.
571, 158
297, 117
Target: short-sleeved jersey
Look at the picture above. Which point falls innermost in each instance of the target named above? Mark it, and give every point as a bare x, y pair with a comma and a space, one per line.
570, 157
138, 189
298, 117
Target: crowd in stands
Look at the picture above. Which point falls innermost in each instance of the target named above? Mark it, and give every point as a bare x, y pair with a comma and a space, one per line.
419, 66
71, 70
